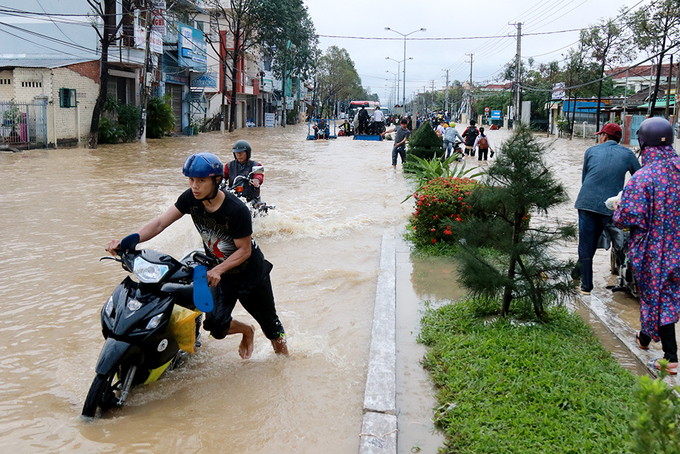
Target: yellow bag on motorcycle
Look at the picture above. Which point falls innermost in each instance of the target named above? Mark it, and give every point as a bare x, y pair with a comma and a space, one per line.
183, 327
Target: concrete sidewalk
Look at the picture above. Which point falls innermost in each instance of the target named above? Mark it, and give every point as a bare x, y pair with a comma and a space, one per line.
389, 420
399, 396
625, 334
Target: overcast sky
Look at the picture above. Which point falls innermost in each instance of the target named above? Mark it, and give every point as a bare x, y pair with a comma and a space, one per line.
452, 19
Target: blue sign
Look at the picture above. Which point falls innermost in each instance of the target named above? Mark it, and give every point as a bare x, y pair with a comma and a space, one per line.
495, 114
207, 80
192, 49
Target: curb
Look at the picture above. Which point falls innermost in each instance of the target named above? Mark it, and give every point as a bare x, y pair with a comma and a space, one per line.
379, 427
623, 332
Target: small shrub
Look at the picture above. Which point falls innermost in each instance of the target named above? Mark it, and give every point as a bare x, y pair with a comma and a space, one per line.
424, 143
655, 425
129, 118
108, 132
161, 118
440, 201
563, 125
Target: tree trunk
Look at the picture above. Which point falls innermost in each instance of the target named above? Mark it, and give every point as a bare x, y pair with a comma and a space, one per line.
599, 98
234, 75
232, 105
107, 39
652, 100
514, 258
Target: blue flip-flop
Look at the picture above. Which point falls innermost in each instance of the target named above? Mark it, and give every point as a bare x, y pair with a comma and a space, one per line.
654, 364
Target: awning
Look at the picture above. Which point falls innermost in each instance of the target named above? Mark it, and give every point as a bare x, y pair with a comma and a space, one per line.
659, 104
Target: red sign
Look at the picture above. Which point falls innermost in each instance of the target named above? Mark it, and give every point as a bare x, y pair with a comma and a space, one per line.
486, 109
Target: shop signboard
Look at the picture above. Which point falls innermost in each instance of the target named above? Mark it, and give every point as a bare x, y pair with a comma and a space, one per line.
159, 17
192, 49
269, 120
205, 80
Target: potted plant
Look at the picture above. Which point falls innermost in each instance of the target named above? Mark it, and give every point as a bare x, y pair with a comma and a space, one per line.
10, 119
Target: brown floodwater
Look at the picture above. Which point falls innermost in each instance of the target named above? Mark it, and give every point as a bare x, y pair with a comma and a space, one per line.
334, 200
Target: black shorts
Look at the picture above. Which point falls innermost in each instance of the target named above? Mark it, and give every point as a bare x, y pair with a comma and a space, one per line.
258, 300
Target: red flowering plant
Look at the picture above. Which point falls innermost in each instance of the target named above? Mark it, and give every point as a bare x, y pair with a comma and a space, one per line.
440, 204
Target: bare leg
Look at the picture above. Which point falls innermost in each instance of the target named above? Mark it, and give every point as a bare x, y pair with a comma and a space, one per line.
245, 349
280, 346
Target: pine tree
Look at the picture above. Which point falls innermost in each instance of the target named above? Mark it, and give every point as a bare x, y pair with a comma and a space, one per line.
424, 143
502, 252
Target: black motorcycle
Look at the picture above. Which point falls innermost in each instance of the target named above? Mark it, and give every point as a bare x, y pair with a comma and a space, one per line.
243, 188
140, 320
620, 263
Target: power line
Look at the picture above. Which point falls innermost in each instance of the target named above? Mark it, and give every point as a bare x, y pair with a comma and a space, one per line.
524, 87
451, 38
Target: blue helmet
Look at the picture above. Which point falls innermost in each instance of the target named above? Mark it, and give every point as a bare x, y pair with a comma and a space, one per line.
655, 131
202, 165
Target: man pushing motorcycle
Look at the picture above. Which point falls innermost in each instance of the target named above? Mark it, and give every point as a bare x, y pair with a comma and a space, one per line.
241, 273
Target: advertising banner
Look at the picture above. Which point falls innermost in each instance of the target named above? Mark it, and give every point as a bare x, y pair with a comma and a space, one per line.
558, 90
206, 80
192, 49
158, 15
269, 120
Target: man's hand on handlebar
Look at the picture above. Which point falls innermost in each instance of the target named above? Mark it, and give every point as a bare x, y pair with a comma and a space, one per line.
113, 247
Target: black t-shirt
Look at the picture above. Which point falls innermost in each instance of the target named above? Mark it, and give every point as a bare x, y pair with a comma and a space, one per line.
218, 230
470, 134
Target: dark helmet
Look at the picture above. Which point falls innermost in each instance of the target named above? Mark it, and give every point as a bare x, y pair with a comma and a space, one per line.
655, 131
202, 165
240, 146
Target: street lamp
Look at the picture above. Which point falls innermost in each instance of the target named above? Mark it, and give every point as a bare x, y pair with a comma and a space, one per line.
404, 60
396, 86
399, 62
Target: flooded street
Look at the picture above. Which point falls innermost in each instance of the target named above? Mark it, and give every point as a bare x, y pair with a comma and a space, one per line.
334, 200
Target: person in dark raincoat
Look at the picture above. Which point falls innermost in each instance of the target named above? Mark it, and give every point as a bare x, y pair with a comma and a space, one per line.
649, 207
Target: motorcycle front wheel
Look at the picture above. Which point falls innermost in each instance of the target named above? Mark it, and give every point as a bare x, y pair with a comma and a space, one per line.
101, 395
613, 262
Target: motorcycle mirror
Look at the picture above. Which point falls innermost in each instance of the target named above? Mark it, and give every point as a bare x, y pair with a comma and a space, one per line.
258, 170
129, 242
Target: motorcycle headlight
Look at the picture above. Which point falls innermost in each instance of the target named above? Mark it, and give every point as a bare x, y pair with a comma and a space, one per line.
154, 322
108, 307
148, 272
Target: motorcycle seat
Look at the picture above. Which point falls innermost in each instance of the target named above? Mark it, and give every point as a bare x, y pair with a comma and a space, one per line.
184, 293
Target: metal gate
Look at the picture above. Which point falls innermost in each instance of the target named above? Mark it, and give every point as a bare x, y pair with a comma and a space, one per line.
24, 125
635, 123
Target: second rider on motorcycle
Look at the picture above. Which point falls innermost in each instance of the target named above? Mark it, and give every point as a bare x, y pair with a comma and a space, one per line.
241, 273
243, 165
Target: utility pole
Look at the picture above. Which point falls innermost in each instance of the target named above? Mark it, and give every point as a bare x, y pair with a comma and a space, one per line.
518, 66
668, 90
144, 91
469, 106
433, 104
446, 92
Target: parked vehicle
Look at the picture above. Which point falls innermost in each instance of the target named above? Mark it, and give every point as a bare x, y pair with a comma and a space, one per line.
148, 325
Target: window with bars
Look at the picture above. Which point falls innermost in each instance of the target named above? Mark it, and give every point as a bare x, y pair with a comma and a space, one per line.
67, 97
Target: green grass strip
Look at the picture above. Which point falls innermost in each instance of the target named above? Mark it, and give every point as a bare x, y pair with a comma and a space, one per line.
512, 387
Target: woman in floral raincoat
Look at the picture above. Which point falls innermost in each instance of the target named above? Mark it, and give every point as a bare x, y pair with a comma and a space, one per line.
650, 207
